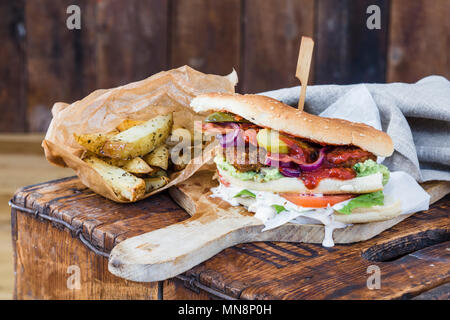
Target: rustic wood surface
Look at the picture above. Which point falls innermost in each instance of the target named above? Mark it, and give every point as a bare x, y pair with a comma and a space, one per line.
214, 226
53, 53
271, 34
131, 39
413, 256
205, 35
12, 67
346, 50
43, 62
22, 162
45, 267
416, 246
417, 40
41, 266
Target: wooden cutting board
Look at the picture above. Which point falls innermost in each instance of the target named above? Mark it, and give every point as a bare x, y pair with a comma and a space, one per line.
215, 225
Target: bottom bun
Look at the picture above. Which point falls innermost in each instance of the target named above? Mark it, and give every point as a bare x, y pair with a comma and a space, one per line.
389, 210
365, 184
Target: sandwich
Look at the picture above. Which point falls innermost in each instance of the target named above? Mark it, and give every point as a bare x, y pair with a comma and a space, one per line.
276, 160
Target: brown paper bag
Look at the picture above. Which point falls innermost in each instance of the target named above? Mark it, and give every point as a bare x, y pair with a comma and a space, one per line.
103, 110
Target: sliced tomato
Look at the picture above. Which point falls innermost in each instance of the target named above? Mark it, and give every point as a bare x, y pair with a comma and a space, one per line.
250, 136
313, 201
223, 181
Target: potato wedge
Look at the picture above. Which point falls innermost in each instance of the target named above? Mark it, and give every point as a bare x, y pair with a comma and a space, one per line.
156, 173
158, 157
124, 184
179, 167
180, 135
94, 142
139, 140
152, 184
179, 158
136, 165
128, 123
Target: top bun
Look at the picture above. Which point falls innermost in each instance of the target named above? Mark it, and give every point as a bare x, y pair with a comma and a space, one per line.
270, 113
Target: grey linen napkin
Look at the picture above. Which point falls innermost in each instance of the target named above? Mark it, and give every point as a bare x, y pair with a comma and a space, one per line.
416, 116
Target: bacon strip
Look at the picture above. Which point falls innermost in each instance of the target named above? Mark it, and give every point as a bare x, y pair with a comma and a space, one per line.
281, 157
250, 136
214, 128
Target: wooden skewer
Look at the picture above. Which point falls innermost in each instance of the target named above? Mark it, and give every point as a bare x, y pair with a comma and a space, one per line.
303, 66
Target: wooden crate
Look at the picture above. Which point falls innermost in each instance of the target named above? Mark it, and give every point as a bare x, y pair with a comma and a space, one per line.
22, 163
413, 257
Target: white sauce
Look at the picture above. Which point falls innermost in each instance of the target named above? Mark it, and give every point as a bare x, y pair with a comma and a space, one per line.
262, 207
226, 194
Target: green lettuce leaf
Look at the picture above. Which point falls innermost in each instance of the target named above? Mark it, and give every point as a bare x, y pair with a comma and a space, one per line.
369, 167
278, 208
364, 201
265, 175
245, 193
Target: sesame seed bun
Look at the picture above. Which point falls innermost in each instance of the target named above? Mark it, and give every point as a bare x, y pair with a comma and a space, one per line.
270, 113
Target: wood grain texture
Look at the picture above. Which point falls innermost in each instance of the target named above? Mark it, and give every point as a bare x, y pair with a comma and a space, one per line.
175, 289
206, 35
346, 50
12, 66
271, 42
441, 292
254, 270
119, 42
131, 40
59, 60
277, 270
418, 40
42, 62
104, 223
167, 252
42, 267
6, 254
22, 162
215, 225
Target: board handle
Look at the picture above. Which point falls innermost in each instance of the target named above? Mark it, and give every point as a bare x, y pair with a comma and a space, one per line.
167, 252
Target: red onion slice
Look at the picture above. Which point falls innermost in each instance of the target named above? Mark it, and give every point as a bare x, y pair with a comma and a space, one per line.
233, 137
292, 172
289, 167
316, 164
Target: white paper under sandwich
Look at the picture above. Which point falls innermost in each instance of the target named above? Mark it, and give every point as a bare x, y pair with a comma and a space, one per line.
401, 187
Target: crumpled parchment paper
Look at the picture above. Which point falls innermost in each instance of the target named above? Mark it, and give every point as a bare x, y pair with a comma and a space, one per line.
103, 110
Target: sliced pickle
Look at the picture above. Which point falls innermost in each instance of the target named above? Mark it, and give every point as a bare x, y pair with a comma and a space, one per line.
270, 140
224, 117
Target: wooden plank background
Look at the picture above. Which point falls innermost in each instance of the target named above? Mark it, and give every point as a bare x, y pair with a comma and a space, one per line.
120, 41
